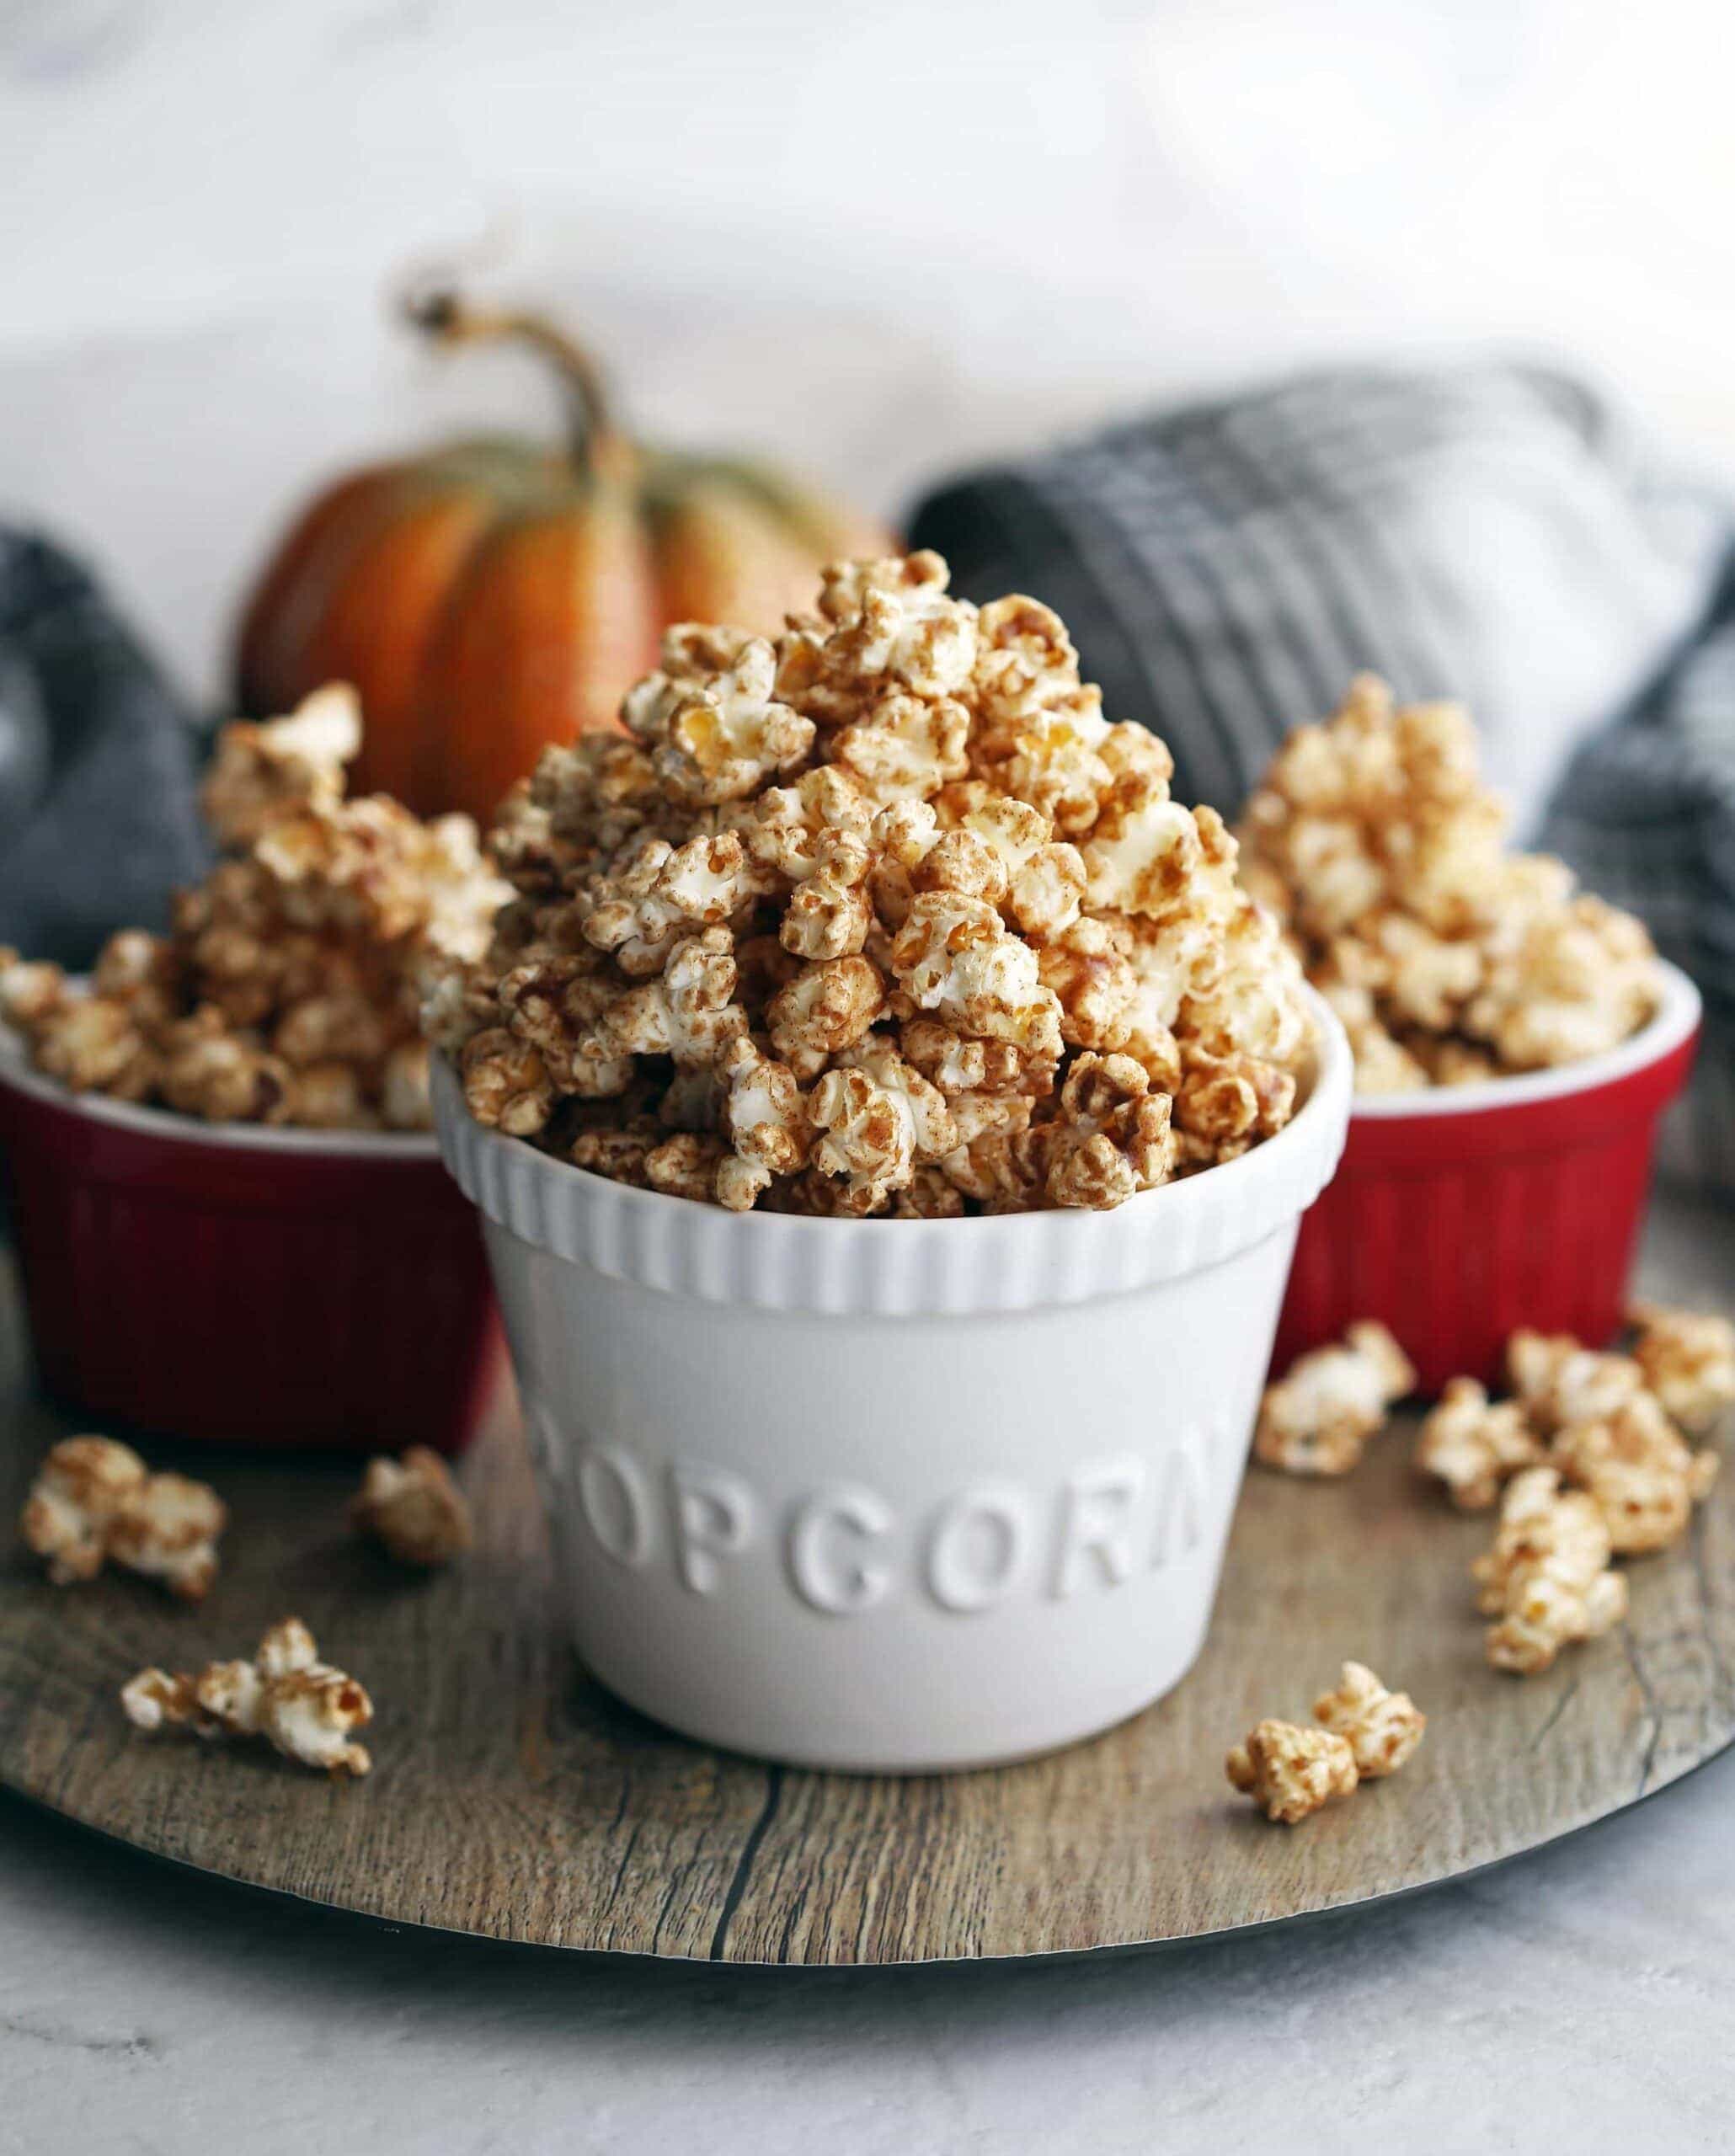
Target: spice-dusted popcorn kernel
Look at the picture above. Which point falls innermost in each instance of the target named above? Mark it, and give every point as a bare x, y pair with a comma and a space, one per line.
881, 625
1317, 1418
1374, 840
1687, 1360
1641, 1472
877, 1119
80, 1492
29, 990
828, 1007
94, 1499
1290, 1771
413, 1508
1474, 1444
1546, 1579
1559, 1382
167, 1530
856, 971
303, 1707
506, 1083
288, 990
261, 771
717, 736
1381, 1728
1111, 1136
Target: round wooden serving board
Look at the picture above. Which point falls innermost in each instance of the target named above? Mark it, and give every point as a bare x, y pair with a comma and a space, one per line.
515, 1799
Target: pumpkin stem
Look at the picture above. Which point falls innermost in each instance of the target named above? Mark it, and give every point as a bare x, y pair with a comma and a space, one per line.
450, 319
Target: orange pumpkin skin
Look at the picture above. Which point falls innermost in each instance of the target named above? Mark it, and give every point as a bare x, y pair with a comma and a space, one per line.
492, 596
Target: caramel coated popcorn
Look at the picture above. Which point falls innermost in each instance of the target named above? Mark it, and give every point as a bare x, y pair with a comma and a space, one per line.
1290, 1771
413, 1508
303, 1707
94, 1500
1317, 1418
1638, 1470
1474, 1444
1688, 1359
1449, 960
1382, 1728
1547, 1580
289, 989
884, 918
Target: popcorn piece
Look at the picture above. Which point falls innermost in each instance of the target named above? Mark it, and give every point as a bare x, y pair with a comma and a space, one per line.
1290, 1771
689, 1013
29, 991
506, 1083
903, 747
884, 624
413, 1508
957, 959
1546, 1579
80, 1492
765, 1116
1560, 1382
718, 736
828, 913
1688, 1360
878, 1119
1381, 1728
1638, 1468
260, 772
1317, 1420
1473, 1444
827, 1008
1112, 1135
167, 1530
304, 1707
94, 1499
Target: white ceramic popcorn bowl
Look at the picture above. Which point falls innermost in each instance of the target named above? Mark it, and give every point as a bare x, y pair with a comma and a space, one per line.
891, 1495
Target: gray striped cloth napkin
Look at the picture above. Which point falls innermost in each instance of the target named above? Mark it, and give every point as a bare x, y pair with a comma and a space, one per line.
1496, 534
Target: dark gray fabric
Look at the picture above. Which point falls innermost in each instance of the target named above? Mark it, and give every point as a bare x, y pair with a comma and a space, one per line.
97, 818
1495, 534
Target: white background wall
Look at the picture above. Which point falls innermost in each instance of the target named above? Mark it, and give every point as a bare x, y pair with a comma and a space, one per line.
884, 240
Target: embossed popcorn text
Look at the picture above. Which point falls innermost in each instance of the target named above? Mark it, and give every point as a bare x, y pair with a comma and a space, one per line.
843, 1550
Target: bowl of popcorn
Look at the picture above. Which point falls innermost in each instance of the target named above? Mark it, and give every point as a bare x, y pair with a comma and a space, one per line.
228, 1206
1516, 1041
890, 1122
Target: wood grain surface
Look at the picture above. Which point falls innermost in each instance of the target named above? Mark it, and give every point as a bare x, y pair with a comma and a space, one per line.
513, 1798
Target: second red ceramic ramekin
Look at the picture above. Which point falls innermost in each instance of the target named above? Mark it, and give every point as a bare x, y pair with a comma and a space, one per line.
230, 1284
1461, 1214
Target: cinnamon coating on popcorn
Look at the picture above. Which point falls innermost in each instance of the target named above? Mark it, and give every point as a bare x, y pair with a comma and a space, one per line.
93, 1501
1366, 1731
1317, 1418
883, 918
289, 988
1449, 960
302, 1707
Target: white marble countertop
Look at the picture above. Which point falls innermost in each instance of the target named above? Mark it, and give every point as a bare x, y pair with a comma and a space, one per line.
1578, 1999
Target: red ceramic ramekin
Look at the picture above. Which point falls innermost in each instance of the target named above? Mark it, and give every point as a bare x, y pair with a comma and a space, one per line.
1460, 1214
226, 1282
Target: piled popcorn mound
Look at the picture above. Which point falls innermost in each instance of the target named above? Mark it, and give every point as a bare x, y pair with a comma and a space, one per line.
289, 988
883, 918
1449, 960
